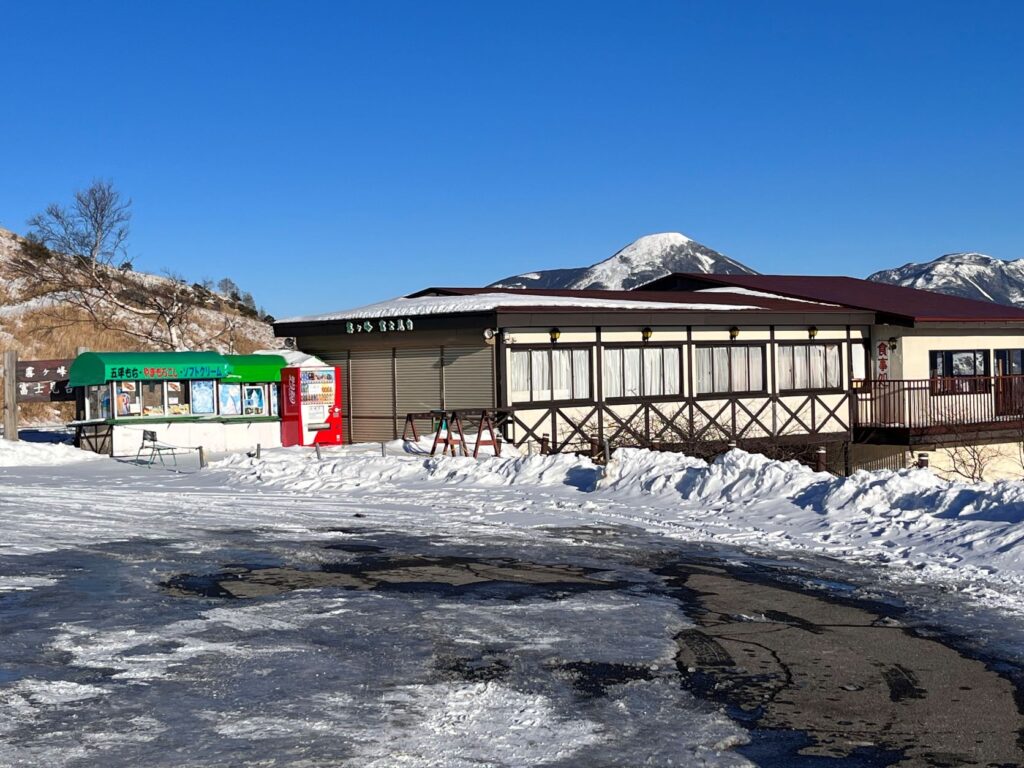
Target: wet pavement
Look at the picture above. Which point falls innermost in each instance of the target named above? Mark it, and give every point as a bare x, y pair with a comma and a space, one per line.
594, 646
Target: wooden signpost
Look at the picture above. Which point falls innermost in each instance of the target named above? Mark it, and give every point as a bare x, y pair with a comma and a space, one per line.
32, 381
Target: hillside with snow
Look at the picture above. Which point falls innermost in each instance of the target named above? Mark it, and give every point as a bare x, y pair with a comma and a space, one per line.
28, 323
642, 261
971, 275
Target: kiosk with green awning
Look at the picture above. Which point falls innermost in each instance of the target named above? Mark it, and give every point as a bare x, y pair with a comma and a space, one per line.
222, 397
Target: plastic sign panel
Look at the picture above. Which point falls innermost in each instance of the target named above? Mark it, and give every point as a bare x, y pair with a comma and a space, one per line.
43, 381
132, 372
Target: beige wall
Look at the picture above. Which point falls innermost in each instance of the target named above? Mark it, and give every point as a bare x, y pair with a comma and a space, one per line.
910, 361
988, 461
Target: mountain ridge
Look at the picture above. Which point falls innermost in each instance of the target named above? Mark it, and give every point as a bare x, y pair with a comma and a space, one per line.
645, 259
968, 274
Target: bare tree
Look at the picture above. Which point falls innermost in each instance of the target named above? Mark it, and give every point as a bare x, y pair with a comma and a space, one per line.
77, 258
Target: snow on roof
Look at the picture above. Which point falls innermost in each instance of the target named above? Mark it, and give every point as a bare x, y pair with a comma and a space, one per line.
762, 294
293, 358
485, 302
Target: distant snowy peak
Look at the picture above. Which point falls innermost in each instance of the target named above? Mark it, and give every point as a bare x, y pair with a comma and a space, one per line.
971, 275
640, 262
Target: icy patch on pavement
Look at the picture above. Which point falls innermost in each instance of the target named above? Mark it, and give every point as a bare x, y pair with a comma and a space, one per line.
54, 692
140, 655
25, 454
476, 724
25, 583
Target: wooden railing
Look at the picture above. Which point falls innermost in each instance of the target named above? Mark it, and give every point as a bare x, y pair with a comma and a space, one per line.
939, 404
686, 422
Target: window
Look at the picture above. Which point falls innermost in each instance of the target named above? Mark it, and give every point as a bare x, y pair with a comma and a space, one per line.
178, 401
273, 399
959, 371
736, 368
539, 375
127, 398
152, 398
97, 402
633, 372
203, 401
810, 366
254, 400
1009, 362
230, 399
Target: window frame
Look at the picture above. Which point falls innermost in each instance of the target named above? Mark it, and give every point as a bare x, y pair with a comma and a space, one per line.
810, 390
732, 393
976, 384
680, 395
1007, 352
549, 348
87, 404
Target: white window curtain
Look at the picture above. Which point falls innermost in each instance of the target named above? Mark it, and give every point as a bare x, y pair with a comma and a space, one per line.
541, 374
755, 369
653, 372
581, 374
801, 368
811, 366
671, 366
786, 374
561, 374
703, 376
816, 366
738, 380
612, 373
834, 368
519, 376
720, 357
859, 362
631, 372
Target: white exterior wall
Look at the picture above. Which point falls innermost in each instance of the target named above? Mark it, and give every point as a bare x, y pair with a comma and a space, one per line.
213, 436
910, 360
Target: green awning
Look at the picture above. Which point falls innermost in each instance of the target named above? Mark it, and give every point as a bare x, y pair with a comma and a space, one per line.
254, 368
100, 367
91, 368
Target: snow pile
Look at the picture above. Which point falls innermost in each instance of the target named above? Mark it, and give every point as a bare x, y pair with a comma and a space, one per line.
299, 469
735, 476
23, 454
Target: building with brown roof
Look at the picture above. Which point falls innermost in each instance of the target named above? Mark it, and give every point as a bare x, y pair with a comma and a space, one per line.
784, 364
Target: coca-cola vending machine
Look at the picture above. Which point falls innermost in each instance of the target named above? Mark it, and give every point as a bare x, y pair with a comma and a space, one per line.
311, 406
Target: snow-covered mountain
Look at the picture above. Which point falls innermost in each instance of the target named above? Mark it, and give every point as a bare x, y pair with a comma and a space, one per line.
640, 262
971, 275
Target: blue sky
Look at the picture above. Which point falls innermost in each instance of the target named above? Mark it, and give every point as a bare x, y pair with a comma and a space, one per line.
328, 154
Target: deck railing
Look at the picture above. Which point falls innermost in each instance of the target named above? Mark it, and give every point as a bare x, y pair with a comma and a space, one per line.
940, 404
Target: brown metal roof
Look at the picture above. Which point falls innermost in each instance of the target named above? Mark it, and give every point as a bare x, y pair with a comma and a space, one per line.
898, 302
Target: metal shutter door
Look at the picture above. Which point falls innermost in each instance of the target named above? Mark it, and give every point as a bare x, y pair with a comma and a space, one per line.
468, 377
372, 397
418, 375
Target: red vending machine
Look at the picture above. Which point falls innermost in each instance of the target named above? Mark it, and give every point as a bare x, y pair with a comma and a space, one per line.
311, 406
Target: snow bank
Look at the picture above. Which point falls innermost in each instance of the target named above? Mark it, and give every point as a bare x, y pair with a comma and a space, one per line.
298, 468
23, 454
